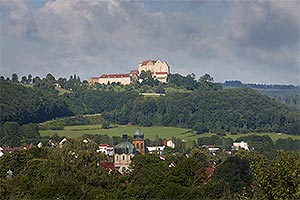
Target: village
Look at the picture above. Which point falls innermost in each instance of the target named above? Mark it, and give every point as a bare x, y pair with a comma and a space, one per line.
119, 157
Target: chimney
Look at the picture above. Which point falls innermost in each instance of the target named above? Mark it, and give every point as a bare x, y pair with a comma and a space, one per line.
124, 137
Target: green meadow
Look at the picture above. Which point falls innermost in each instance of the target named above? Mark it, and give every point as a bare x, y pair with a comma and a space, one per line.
150, 132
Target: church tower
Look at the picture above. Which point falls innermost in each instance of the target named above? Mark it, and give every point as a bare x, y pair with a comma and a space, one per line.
138, 141
124, 151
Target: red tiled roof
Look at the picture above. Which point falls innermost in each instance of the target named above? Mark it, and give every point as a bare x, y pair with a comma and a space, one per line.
114, 76
103, 145
210, 170
134, 72
107, 165
164, 143
147, 61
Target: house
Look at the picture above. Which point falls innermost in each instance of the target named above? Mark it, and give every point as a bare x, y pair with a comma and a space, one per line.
210, 170
109, 166
156, 149
106, 149
53, 143
169, 143
212, 148
40, 145
103, 148
7, 149
1, 151
240, 145
62, 142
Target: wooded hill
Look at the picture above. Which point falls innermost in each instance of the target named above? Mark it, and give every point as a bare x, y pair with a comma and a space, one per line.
287, 94
189, 103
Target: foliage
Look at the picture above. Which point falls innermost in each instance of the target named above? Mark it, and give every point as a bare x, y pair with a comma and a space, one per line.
236, 173
24, 105
239, 109
59, 124
72, 172
10, 134
287, 94
105, 125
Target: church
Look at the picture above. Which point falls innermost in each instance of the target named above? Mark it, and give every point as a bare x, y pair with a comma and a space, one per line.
125, 151
159, 70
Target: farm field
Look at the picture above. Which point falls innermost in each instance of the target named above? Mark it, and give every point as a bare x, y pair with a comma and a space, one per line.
150, 132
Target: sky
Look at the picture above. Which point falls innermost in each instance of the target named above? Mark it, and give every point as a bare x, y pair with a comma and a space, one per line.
251, 41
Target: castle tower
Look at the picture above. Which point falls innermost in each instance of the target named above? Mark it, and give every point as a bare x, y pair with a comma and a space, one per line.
138, 141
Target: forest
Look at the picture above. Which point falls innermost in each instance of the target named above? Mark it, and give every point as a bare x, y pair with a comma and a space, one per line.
287, 94
201, 105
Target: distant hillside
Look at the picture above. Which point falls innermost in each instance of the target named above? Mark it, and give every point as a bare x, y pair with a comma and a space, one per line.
25, 104
233, 110
203, 106
287, 94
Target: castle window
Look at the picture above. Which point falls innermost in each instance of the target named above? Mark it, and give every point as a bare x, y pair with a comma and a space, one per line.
142, 145
137, 146
116, 157
123, 157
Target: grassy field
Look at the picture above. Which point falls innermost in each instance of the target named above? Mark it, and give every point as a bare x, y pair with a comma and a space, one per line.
150, 132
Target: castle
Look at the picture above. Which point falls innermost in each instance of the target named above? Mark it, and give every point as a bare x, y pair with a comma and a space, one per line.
158, 69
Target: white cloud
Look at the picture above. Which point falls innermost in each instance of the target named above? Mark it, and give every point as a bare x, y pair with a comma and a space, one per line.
91, 37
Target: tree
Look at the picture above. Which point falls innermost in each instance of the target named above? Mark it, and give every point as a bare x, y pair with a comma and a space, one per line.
24, 80
36, 81
10, 134
14, 78
50, 78
29, 79
160, 90
105, 125
200, 127
206, 78
236, 173
30, 132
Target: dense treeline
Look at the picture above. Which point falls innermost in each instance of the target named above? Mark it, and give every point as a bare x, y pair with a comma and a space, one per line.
73, 172
14, 135
287, 94
232, 110
24, 105
259, 86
